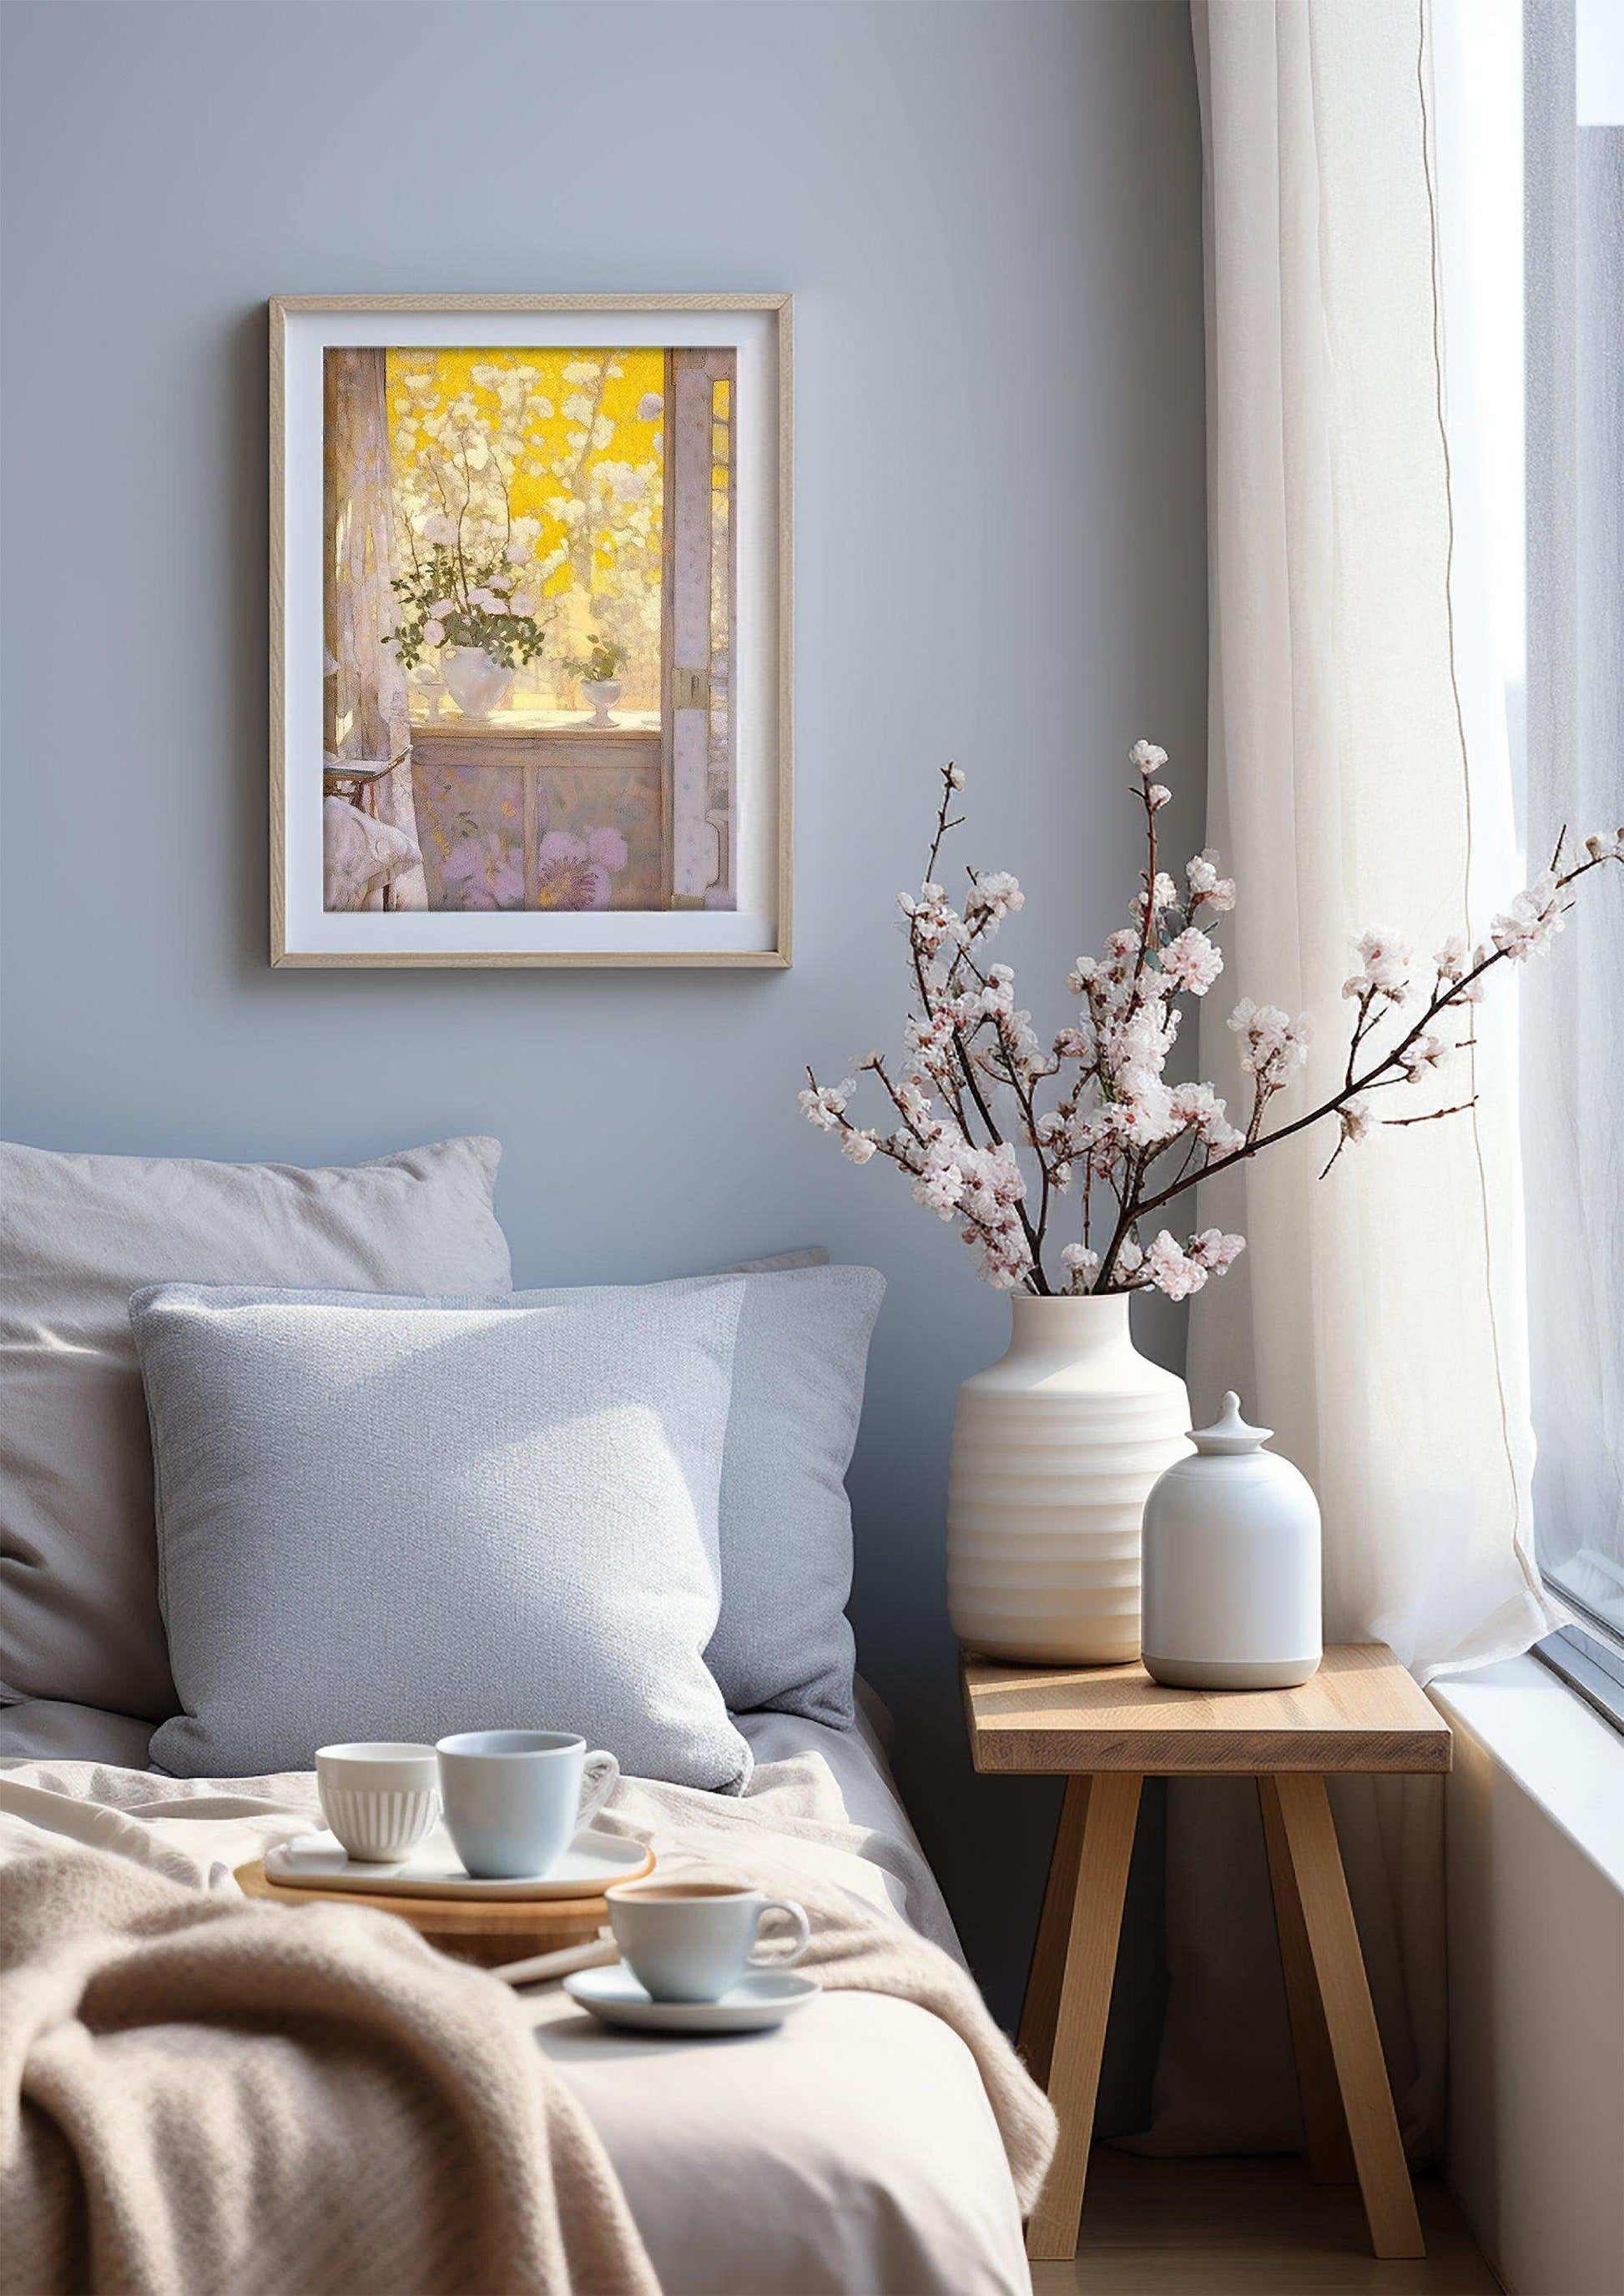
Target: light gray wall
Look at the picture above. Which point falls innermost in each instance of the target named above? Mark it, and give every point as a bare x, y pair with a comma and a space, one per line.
989, 216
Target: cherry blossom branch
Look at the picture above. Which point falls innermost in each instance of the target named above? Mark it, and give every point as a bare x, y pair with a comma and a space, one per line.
1144, 1143
1452, 994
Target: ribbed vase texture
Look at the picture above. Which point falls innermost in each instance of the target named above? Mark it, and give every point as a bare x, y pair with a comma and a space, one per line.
1055, 1448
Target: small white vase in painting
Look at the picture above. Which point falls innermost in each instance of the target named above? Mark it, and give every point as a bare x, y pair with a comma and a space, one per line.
1054, 1448
475, 680
602, 693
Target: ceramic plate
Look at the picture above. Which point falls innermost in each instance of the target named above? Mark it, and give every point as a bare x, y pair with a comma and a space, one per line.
434, 1870
760, 1998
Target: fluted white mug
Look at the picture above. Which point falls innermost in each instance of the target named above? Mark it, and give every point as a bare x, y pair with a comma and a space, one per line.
514, 1800
379, 1796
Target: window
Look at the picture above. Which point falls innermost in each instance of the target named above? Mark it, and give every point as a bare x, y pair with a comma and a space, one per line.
1572, 1057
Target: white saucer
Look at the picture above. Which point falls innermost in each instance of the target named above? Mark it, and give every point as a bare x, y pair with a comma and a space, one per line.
316, 1861
760, 1998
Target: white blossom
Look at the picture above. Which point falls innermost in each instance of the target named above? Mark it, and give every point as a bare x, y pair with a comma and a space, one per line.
1215, 1250
939, 1188
932, 920
1081, 1264
1273, 1046
1198, 1106
1172, 1270
1158, 795
1384, 961
1201, 876
825, 1104
1164, 893
1453, 958
1192, 961
991, 898
1427, 1052
858, 1144
1147, 758
1356, 1119
1533, 920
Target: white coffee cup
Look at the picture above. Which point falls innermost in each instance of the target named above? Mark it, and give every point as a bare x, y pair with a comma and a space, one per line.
514, 1798
378, 1796
693, 1940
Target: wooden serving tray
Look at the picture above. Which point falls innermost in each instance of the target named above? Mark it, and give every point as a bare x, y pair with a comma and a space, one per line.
488, 1931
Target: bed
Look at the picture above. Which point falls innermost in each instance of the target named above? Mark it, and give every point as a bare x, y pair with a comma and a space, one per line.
866, 2146
853, 2150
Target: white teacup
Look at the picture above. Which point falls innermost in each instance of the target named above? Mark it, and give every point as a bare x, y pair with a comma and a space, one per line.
514, 1800
693, 1940
378, 1797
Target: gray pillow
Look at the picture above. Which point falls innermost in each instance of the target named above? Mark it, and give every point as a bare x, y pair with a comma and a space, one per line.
782, 1639
41, 1730
78, 1609
394, 1526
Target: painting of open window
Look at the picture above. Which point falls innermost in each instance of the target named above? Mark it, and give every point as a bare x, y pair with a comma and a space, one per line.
551, 579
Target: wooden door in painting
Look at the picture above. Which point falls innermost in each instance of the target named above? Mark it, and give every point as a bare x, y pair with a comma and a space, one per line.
701, 573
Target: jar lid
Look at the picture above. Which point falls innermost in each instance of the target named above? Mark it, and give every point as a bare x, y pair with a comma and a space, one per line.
1229, 1433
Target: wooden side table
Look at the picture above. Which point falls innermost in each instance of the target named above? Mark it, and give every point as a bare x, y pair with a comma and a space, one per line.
1106, 1729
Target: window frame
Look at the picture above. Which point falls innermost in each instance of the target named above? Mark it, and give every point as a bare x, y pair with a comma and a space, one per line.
1590, 1661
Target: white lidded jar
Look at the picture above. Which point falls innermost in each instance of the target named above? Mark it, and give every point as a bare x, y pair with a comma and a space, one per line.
1054, 1447
1231, 1565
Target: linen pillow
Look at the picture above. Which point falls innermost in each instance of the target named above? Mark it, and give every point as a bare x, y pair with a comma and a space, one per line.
782, 1639
78, 1609
393, 1526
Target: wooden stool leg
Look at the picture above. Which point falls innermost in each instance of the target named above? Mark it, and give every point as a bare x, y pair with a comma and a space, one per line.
1356, 2045
1085, 2005
1324, 2124
1041, 2006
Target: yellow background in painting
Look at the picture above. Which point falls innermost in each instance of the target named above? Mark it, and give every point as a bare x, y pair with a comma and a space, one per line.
642, 372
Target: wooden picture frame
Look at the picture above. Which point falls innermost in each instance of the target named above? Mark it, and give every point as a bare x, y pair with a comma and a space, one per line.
390, 767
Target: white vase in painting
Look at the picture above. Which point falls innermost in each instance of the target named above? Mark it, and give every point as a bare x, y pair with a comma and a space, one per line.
1055, 1448
602, 693
476, 681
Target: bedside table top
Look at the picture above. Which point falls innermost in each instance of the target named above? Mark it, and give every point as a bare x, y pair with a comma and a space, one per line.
1360, 1712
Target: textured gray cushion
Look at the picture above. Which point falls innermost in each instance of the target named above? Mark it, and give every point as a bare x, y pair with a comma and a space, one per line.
79, 1609
394, 1526
782, 1639
43, 1730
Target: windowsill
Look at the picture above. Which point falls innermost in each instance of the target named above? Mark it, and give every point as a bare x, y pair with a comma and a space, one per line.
1545, 1737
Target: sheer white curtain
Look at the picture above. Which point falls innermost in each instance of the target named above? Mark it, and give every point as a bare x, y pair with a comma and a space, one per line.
1360, 774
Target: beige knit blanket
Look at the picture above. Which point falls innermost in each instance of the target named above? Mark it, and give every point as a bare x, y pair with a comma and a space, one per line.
201, 2097
188, 2082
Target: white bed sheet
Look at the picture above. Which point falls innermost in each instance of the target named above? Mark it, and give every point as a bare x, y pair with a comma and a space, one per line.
852, 2151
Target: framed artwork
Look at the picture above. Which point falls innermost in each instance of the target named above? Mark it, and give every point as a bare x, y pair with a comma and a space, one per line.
531, 629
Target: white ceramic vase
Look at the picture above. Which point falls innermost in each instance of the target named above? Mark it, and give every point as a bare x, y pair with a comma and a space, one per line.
1231, 1565
1054, 1448
475, 680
